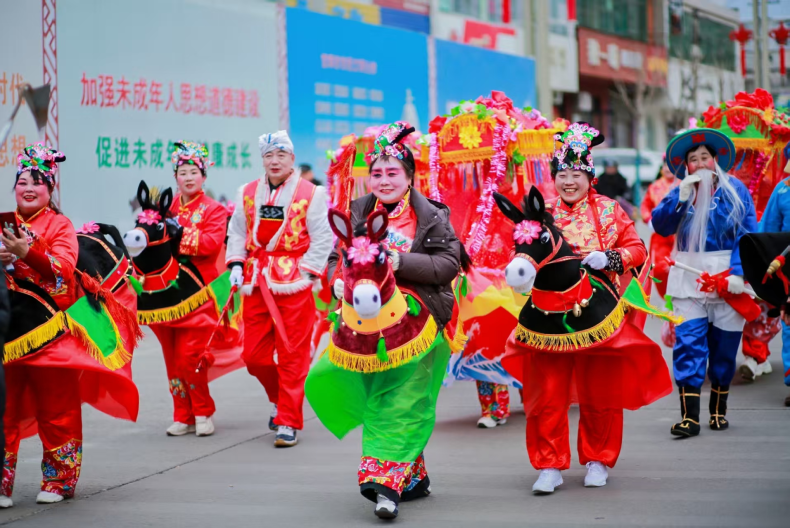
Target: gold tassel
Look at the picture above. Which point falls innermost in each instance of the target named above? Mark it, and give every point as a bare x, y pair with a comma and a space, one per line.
117, 359
398, 356
36, 338
164, 315
457, 341
576, 340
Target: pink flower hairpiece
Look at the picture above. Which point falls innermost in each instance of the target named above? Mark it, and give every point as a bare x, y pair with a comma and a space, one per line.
149, 217
527, 231
363, 251
88, 228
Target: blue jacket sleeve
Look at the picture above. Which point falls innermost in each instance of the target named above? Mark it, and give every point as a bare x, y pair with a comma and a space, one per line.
749, 225
771, 222
667, 216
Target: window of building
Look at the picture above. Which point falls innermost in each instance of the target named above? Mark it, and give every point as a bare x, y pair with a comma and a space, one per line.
625, 18
487, 10
714, 42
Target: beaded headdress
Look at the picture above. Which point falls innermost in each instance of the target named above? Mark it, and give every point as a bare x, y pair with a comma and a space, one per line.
572, 146
390, 141
190, 153
41, 158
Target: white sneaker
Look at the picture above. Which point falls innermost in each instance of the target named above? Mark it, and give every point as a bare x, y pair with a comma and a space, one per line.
596, 475
272, 416
547, 481
487, 422
47, 497
6, 502
204, 426
748, 369
764, 368
385, 508
286, 436
180, 429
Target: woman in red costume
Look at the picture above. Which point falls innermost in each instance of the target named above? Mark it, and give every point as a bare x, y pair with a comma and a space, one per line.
591, 363
660, 247
46, 386
198, 223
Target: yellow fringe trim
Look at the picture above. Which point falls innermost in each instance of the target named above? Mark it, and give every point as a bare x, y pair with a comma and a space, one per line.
534, 143
35, 338
119, 357
576, 340
751, 144
164, 315
398, 356
467, 155
458, 341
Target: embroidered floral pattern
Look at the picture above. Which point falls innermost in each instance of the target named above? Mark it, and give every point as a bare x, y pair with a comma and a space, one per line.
494, 399
363, 251
189, 241
398, 476
177, 388
9, 474
61, 468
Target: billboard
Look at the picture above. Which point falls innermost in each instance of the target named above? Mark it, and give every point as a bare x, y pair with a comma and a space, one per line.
456, 81
344, 76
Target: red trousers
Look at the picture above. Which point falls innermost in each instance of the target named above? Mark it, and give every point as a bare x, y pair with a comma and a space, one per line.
55, 395
283, 377
600, 422
182, 348
660, 249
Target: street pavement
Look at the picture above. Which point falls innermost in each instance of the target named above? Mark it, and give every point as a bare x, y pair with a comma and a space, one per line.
133, 475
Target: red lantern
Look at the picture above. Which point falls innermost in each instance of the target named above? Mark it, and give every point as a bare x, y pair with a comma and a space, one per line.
742, 36
780, 35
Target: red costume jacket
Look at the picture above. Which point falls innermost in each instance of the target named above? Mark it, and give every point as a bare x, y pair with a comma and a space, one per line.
204, 221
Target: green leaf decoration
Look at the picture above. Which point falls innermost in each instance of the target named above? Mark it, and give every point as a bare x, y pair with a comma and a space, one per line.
332, 318
518, 159
136, 286
565, 323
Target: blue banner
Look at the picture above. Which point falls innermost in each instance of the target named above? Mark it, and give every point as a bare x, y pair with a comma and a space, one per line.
344, 76
466, 72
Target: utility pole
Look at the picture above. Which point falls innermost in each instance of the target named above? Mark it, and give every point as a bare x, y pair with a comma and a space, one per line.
765, 65
535, 21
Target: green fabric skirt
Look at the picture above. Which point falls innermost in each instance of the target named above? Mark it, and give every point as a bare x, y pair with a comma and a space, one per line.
396, 408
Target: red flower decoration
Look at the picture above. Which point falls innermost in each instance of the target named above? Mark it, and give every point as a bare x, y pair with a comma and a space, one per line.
711, 113
738, 122
527, 231
436, 124
760, 98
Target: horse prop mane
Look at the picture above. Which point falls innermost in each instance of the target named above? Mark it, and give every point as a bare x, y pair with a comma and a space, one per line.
378, 326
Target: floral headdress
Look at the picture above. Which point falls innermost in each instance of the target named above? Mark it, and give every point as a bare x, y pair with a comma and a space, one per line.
390, 141
574, 143
189, 152
39, 157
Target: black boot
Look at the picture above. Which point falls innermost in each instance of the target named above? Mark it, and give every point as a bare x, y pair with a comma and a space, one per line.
689, 406
718, 407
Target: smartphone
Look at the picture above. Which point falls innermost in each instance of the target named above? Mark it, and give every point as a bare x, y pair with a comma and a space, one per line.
8, 221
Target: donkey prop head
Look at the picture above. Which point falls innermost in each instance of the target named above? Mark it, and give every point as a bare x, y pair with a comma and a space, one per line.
538, 242
149, 242
367, 273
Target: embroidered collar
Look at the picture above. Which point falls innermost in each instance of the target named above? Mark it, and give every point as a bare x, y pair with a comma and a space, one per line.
185, 206
21, 219
574, 298
569, 208
400, 208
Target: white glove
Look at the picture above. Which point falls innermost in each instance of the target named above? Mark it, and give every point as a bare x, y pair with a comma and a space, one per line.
339, 287
735, 284
597, 260
236, 276
394, 259
687, 185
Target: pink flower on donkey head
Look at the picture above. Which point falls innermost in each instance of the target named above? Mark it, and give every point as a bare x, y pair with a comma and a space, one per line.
363, 251
88, 228
527, 231
149, 217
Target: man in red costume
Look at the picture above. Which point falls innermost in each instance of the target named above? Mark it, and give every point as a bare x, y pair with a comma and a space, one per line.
279, 241
660, 246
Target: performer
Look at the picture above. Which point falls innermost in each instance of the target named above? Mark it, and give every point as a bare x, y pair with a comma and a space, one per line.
196, 225
776, 218
709, 211
660, 247
278, 244
613, 368
53, 364
390, 388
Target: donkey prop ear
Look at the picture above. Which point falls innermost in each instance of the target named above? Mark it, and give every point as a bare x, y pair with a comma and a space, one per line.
144, 195
341, 226
534, 204
165, 201
378, 221
508, 209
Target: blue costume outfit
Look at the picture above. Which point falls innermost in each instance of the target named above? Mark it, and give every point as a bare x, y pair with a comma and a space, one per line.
712, 330
776, 218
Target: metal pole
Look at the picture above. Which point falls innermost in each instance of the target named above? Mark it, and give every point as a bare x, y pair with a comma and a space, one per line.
758, 44
766, 65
